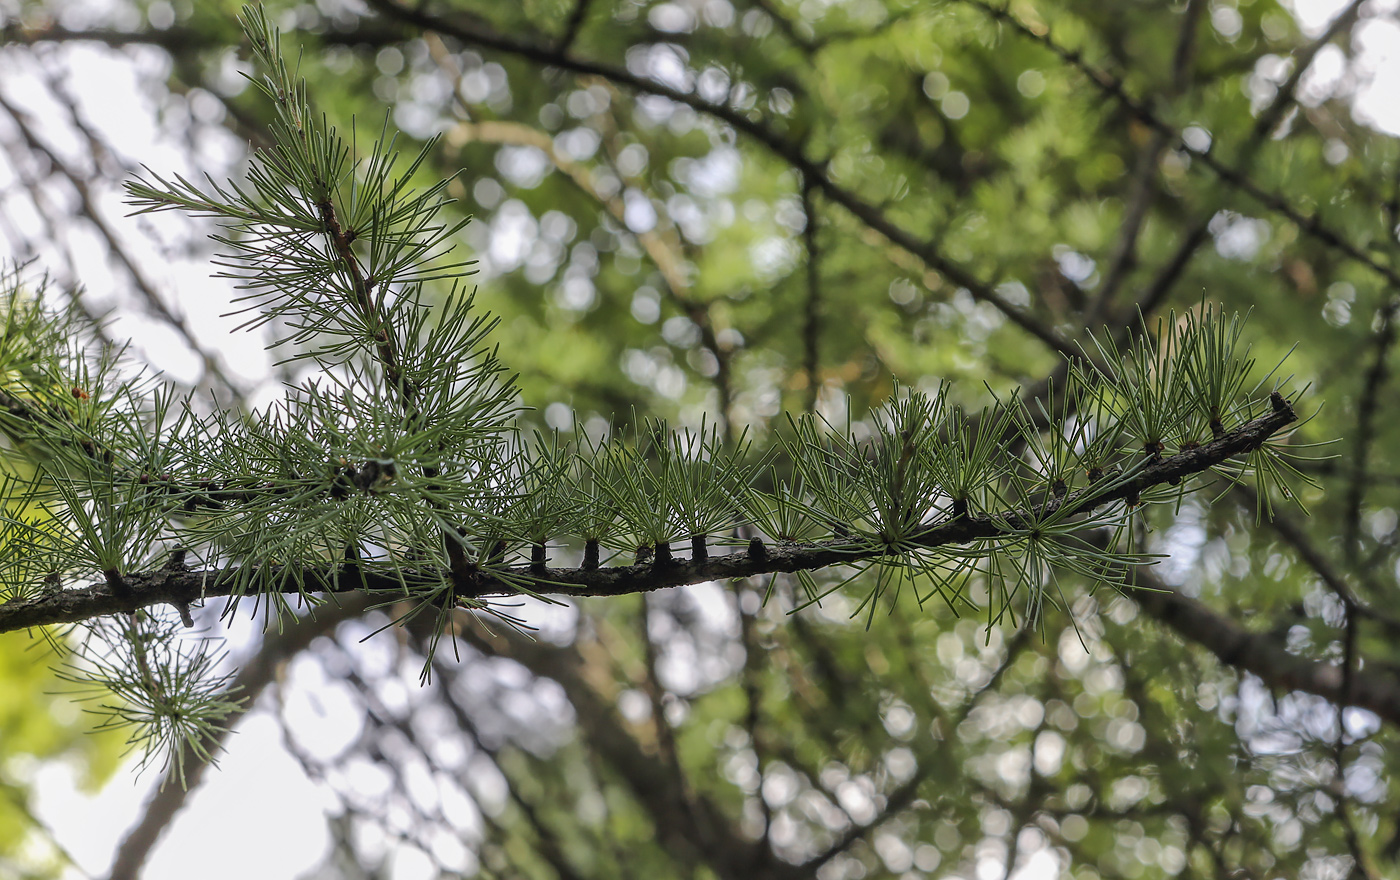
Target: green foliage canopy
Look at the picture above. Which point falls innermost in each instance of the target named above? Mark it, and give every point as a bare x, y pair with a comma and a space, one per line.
1004, 179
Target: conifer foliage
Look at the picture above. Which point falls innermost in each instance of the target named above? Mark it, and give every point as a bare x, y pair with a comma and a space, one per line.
400, 469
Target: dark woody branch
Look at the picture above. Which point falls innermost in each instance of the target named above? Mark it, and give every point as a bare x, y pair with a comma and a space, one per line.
178, 40
175, 585
1234, 175
559, 56
792, 153
184, 40
1262, 654
89, 208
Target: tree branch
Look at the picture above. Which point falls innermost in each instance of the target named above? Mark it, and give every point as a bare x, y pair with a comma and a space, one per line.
180, 40
933, 762
692, 829
144, 286
868, 214
176, 587
1143, 187
1265, 124
1261, 653
812, 302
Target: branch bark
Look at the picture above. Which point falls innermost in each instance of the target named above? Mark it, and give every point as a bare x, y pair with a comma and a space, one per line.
1257, 653
180, 587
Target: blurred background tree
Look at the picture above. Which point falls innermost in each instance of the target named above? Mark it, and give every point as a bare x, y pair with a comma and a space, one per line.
40, 725
732, 208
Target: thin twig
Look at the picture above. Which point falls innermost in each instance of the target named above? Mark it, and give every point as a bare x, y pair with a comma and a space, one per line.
903, 796
1143, 185
573, 26
1234, 175
143, 285
811, 311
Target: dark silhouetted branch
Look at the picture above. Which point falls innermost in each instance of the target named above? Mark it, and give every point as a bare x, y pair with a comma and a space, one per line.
177, 587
